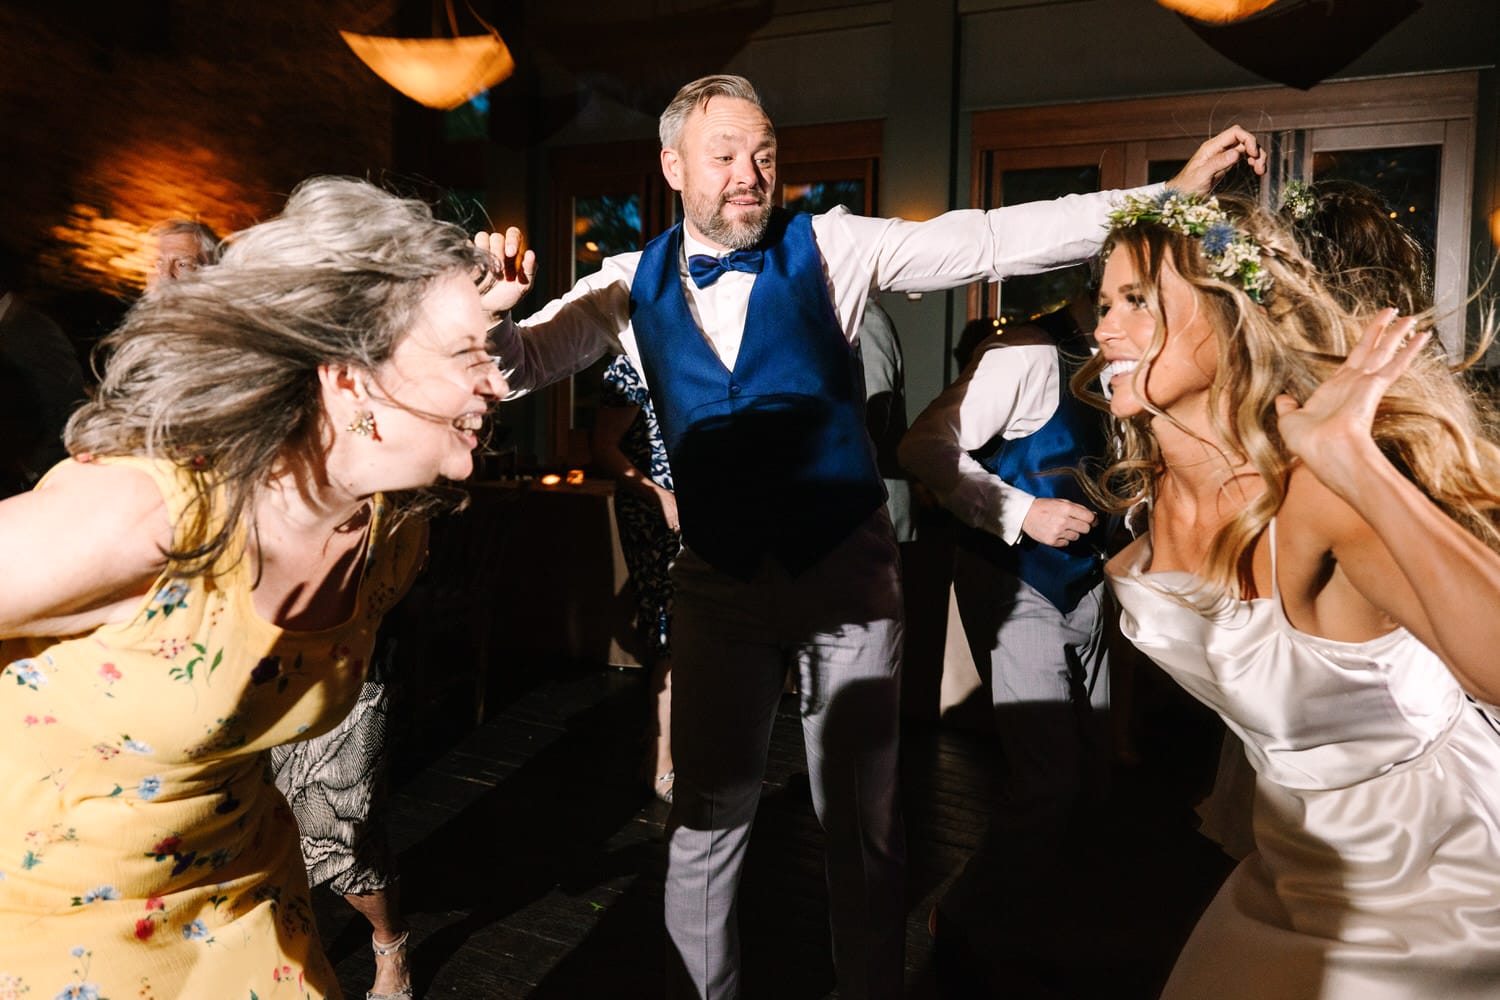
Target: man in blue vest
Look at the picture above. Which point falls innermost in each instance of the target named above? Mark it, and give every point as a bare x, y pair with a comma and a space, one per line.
996, 448
743, 321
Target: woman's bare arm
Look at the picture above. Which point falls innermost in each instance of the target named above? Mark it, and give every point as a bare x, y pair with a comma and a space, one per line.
610, 425
81, 549
1396, 546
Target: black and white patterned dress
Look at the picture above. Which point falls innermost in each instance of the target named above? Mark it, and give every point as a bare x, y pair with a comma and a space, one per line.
648, 544
335, 784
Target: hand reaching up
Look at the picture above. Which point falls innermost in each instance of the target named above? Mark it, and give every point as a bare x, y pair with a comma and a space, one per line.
1216, 157
1332, 428
511, 276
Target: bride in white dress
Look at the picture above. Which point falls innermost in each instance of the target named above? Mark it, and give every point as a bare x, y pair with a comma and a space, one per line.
1321, 568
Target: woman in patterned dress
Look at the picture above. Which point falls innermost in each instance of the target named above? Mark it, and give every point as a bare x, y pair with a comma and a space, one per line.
203, 580
628, 444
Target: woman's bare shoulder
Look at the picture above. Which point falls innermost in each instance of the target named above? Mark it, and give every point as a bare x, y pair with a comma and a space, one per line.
93, 535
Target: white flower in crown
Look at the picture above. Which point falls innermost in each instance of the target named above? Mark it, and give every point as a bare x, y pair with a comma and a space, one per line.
1297, 198
1237, 256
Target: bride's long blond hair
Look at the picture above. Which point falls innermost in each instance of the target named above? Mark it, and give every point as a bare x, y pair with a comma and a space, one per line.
1437, 430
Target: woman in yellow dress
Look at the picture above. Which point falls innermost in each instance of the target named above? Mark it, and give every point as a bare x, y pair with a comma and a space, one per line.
203, 580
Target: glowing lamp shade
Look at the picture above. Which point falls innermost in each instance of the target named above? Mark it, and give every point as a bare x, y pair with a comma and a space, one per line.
1217, 11
438, 72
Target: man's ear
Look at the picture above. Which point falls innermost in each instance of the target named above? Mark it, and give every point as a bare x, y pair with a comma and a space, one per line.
671, 168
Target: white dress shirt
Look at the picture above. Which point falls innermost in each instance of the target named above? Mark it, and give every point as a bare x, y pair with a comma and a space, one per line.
860, 254
1008, 390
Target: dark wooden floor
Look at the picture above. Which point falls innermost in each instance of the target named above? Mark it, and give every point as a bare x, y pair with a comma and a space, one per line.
532, 863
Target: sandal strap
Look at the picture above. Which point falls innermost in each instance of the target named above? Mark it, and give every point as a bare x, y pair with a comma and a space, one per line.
664, 778
390, 948
404, 993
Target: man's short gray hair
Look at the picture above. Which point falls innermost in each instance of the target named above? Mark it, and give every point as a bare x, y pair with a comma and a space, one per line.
696, 95
209, 244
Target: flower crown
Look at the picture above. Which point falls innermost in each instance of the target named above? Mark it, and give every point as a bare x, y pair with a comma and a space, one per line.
1231, 254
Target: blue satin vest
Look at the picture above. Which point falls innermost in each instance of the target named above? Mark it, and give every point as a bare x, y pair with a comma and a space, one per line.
772, 458
1036, 464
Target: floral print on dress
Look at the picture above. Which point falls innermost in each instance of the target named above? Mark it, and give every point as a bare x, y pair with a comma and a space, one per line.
96, 894
109, 751
224, 735
171, 849
269, 669
172, 597
186, 671
197, 931
156, 914
79, 989
28, 673
135, 783
108, 674
37, 843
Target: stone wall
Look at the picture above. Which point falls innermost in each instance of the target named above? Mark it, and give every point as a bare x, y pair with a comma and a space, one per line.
118, 116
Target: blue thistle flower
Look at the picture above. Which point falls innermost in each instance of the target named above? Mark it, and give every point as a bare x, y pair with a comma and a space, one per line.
1217, 238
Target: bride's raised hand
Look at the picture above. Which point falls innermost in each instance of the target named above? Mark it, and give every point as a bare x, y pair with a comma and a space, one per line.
1332, 427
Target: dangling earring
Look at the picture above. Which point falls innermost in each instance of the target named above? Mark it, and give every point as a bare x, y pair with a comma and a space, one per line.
364, 424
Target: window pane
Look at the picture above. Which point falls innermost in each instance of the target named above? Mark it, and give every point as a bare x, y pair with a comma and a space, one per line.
1406, 177
604, 225
1034, 295
820, 196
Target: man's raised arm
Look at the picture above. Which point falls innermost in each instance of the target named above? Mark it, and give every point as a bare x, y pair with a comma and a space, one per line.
975, 245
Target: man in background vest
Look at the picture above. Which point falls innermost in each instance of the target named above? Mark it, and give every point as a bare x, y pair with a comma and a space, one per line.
996, 448
743, 322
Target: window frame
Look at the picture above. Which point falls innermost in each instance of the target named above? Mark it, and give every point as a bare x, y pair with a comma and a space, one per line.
1124, 136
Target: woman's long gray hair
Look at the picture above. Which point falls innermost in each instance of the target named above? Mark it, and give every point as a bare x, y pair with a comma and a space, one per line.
218, 371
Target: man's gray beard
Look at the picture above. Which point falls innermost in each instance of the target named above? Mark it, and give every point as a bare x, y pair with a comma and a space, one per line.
740, 235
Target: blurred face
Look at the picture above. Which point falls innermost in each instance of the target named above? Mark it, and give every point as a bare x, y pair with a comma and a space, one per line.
429, 400
176, 256
1177, 380
725, 167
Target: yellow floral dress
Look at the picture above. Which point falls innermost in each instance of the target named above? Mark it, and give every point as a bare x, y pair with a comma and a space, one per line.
144, 852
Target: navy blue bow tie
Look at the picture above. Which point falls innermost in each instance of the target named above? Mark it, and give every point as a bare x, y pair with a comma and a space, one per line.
705, 270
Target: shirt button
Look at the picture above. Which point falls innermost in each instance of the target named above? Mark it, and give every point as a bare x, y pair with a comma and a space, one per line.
734, 388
